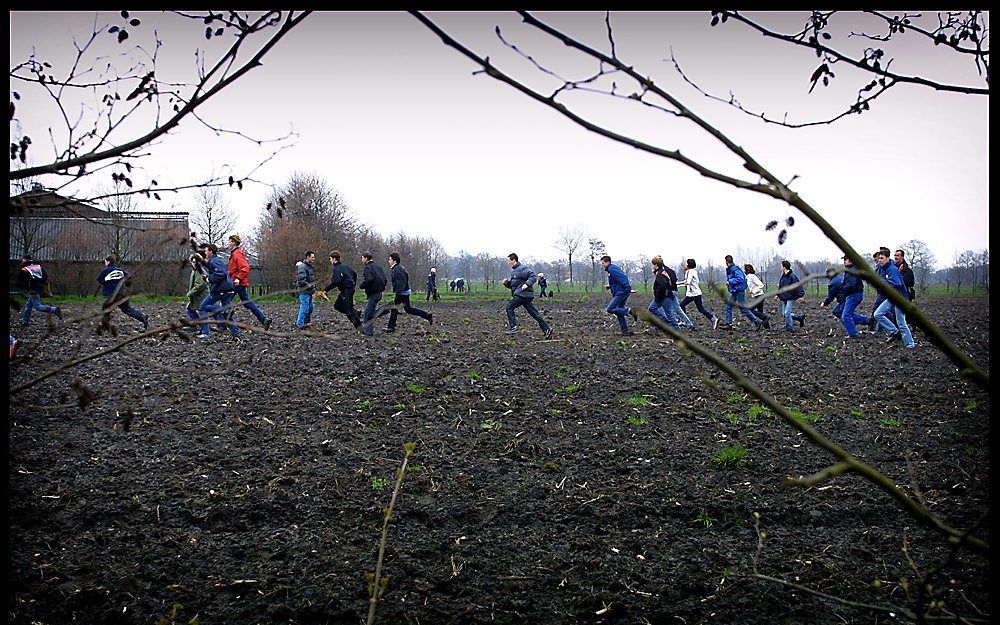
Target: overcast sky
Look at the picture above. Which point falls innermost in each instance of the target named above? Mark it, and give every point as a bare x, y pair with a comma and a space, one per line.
399, 124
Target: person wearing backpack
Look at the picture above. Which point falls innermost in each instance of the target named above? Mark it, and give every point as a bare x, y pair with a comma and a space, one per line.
790, 296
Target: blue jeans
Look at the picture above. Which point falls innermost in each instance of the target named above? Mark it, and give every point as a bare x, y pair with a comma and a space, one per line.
848, 317
373, 301
882, 314
739, 298
786, 310
35, 302
673, 305
213, 304
306, 308
244, 295
663, 311
618, 308
528, 306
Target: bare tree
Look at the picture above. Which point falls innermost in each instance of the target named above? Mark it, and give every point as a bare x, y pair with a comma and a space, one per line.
568, 240
597, 249
921, 260
213, 218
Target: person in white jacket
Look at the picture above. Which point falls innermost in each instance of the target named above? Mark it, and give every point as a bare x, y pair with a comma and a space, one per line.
692, 291
755, 287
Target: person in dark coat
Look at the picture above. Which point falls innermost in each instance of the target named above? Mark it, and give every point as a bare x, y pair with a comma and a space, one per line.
899, 257
520, 283
542, 284
114, 283
220, 292
789, 297
305, 283
35, 280
432, 288
849, 291
373, 283
343, 278
661, 294
401, 290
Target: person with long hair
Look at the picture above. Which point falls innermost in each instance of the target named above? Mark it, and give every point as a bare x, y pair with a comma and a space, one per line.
692, 292
755, 287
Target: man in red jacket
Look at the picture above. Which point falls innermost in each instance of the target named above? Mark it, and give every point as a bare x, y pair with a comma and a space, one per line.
239, 272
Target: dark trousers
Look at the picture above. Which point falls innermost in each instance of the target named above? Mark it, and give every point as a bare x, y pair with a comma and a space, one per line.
124, 306
701, 306
373, 301
528, 306
345, 304
407, 308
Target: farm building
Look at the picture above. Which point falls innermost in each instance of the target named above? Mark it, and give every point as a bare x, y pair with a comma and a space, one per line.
71, 238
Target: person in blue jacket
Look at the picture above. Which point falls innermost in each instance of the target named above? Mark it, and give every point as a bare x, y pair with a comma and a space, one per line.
736, 282
890, 273
521, 284
789, 297
220, 292
114, 283
620, 288
849, 291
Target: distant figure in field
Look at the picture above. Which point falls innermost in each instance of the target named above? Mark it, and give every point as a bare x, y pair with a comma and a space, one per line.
788, 298
542, 284
35, 281
620, 288
432, 288
520, 283
693, 292
344, 278
401, 290
736, 282
460, 285
452, 285
239, 273
114, 283
755, 287
305, 282
220, 292
373, 283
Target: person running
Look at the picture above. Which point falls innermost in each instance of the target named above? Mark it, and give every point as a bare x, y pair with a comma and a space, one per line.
755, 287
239, 273
661, 295
521, 283
542, 284
899, 258
305, 283
220, 293
890, 273
620, 288
114, 283
849, 292
373, 283
401, 291
343, 278
432, 288
197, 290
789, 297
674, 301
35, 281
736, 282
692, 292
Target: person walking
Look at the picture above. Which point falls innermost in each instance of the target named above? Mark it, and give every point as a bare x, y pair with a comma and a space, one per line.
239, 273
736, 282
755, 287
890, 273
401, 294
789, 297
220, 293
620, 288
343, 278
305, 283
692, 292
373, 283
521, 283
432, 289
661, 295
114, 283
542, 284
849, 292
35, 280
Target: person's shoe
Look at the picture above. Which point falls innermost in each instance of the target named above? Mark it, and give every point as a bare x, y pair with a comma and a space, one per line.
267, 323
628, 333
548, 332
802, 321
893, 337
757, 326
512, 330
715, 323
58, 313
390, 330
201, 336
631, 313
145, 322
16, 345
430, 318
767, 324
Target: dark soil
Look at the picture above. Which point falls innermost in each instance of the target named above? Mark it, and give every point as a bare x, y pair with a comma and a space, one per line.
563, 481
